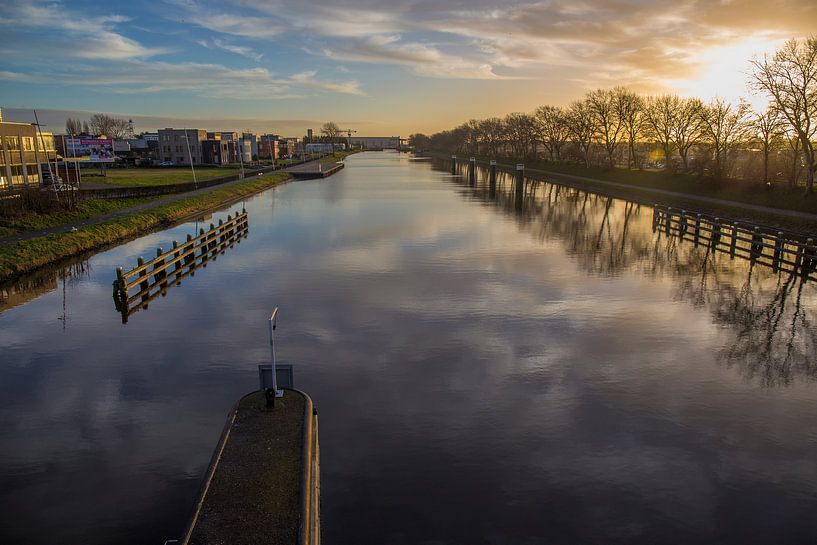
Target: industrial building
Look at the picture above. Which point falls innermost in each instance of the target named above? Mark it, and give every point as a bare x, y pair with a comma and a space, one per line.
375, 142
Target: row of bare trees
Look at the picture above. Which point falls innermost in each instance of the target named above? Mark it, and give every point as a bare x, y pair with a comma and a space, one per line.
100, 124
618, 127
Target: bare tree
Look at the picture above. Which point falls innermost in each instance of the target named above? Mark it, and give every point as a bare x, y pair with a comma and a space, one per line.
521, 132
553, 129
86, 129
602, 106
768, 131
790, 79
660, 120
725, 127
112, 127
582, 127
630, 111
73, 126
492, 133
687, 128
331, 130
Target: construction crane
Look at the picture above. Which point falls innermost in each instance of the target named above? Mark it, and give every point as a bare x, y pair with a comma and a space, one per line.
349, 137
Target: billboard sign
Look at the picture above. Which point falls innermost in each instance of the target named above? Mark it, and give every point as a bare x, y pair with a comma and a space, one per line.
95, 150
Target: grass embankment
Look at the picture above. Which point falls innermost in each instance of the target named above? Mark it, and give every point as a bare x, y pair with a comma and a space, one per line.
133, 177
10, 225
20, 257
339, 156
740, 191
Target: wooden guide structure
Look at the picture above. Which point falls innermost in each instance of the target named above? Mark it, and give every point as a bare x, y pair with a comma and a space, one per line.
781, 251
134, 289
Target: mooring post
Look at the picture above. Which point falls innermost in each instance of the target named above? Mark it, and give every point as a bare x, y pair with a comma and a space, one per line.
655, 213
757, 243
778, 250
716, 232
520, 184
161, 274
188, 255
683, 226
472, 171
145, 283
177, 263
453, 164
697, 229
733, 245
668, 220
492, 178
809, 258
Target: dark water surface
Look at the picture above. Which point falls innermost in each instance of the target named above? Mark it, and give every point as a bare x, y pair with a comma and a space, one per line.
556, 375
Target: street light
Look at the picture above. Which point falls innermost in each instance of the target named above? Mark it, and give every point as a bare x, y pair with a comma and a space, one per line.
190, 156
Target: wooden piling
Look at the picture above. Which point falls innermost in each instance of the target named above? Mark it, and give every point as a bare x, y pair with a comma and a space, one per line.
492, 178
453, 164
520, 184
472, 171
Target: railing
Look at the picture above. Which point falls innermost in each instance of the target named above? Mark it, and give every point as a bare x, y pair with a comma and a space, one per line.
135, 288
776, 249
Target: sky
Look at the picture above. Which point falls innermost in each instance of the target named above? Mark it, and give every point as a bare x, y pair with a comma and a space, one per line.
380, 68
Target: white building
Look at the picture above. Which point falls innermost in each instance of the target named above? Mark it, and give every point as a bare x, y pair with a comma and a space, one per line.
375, 142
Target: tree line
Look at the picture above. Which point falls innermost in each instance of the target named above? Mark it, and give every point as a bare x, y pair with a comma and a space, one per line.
99, 124
617, 127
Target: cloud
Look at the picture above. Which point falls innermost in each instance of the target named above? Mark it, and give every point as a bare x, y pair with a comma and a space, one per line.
237, 49
423, 59
97, 34
209, 80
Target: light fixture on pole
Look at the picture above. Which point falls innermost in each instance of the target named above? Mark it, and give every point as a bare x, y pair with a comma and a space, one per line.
190, 156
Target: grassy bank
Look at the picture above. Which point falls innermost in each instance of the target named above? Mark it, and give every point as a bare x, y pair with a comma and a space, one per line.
738, 191
133, 177
339, 156
35, 221
21, 257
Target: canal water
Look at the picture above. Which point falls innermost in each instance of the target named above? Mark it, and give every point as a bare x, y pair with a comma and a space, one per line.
555, 374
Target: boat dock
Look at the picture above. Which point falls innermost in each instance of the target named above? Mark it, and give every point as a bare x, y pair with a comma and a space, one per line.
314, 170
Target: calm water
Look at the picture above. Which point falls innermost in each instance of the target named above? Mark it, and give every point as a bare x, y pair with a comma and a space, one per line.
556, 375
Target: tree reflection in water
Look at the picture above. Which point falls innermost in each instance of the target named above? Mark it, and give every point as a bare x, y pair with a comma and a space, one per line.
771, 315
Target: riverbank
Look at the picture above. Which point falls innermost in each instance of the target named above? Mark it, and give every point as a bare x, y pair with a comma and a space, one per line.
743, 202
17, 258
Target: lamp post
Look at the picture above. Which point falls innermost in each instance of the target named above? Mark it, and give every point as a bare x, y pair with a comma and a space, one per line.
190, 157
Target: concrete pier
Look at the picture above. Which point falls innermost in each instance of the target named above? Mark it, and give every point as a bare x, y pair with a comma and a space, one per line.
263, 482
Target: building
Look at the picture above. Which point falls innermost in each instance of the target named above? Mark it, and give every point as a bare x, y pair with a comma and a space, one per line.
216, 151
24, 155
251, 144
274, 146
173, 145
375, 142
324, 147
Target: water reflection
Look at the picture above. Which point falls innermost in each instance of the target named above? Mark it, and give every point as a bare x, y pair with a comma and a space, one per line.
42, 282
773, 331
134, 289
553, 374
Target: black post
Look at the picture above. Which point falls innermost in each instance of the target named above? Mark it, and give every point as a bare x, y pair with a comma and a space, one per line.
520, 184
472, 174
453, 164
492, 178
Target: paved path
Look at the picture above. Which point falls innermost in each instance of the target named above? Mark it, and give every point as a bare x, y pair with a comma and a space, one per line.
130, 210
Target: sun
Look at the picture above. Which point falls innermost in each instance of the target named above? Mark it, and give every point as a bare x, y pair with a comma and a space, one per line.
725, 71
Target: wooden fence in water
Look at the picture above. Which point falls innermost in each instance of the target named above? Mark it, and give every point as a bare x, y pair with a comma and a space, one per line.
134, 289
779, 250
